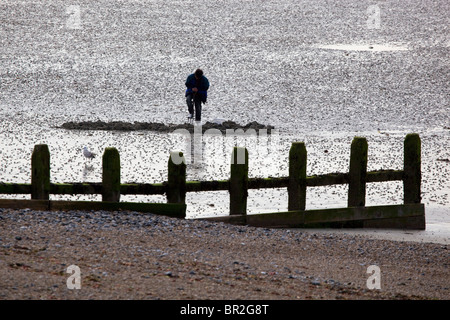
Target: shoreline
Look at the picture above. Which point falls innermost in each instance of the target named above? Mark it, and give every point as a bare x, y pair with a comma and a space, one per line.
437, 230
432, 234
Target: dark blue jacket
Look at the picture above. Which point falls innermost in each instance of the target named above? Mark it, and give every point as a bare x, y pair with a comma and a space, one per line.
201, 84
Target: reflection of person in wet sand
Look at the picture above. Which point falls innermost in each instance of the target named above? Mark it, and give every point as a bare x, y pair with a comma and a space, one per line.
196, 93
88, 169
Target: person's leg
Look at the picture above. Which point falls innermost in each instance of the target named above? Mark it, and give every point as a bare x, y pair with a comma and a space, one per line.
198, 109
190, 104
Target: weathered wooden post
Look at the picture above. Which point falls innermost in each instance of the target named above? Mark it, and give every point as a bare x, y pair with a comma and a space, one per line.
40, 172
176, 180
111, 175
239, 181
297, 177
412, 175
357, 173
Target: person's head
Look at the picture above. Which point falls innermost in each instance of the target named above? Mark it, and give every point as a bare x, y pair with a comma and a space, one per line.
198, 73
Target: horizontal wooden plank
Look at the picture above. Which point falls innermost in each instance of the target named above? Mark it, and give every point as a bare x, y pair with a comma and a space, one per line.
76, 188
340, 217
25, 204
15, 188
326, 179
363, 213
167, 209
143, 188
265, 183
215, 185
196, 186
415, 222
384, 175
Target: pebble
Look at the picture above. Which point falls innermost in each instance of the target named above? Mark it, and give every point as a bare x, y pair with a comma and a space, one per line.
277, 269
315, 282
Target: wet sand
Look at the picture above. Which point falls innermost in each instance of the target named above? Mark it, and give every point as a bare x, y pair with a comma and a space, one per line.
221, 125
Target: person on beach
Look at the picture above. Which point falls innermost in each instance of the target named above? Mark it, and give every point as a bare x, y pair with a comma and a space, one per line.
196, 93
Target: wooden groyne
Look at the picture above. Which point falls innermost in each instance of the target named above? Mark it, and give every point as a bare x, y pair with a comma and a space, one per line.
409, 215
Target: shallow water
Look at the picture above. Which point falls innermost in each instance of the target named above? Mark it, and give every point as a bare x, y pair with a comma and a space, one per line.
127, 61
